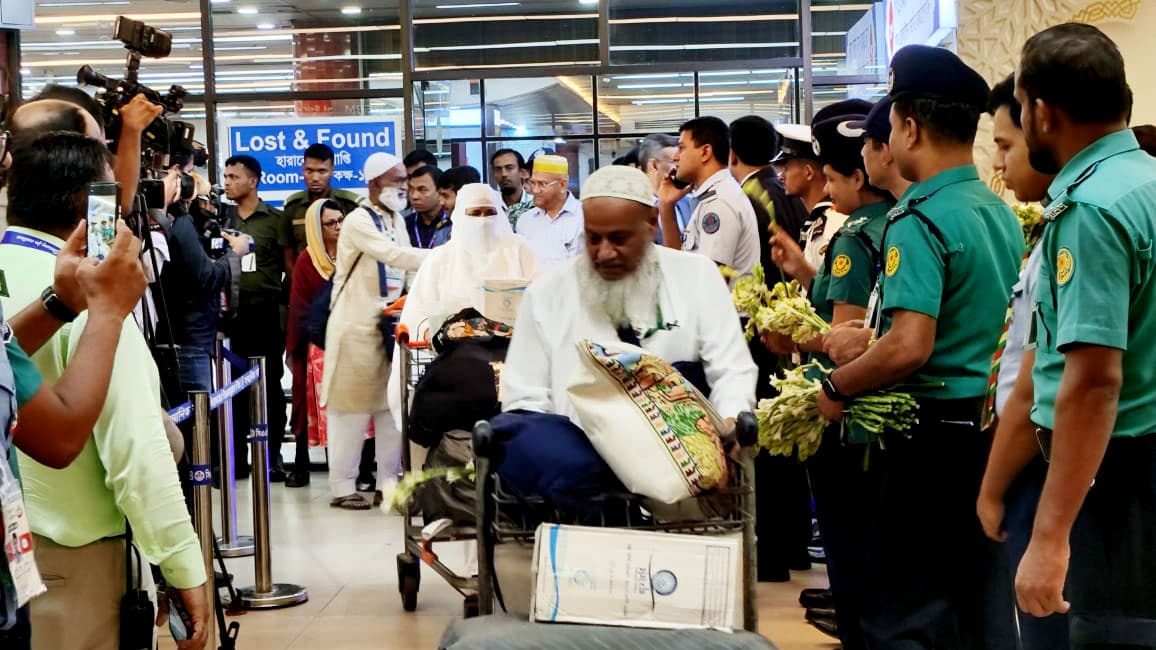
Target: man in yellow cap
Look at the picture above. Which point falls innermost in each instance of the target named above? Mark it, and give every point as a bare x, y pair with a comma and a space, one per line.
553, 228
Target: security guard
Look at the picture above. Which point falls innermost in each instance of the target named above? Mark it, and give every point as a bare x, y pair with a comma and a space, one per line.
723, 226
1095, 364
802, 175
951, 255
840, 292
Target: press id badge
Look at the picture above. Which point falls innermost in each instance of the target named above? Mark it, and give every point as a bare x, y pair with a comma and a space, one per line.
18, 540
249, 263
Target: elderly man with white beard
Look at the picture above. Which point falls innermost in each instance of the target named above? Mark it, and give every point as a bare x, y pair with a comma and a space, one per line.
673, 304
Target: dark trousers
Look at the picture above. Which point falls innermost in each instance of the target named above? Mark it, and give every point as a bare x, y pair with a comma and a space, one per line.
256, 332
1023, 496
1112, 572
298, 416
932, 579
838, 482
782, 497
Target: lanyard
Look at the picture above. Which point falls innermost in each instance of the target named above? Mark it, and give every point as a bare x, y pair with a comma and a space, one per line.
29, 241
437, 225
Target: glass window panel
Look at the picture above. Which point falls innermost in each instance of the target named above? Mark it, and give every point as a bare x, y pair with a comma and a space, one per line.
445, 112
70, 35
732, 94
827, 95
692, 31
487, 35
541, 106
272, 46
281, 165
645, 102
848, 38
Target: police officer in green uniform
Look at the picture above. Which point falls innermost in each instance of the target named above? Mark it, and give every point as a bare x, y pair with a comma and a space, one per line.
1095, 367
318, 173
257, 329
951, 254
840, 293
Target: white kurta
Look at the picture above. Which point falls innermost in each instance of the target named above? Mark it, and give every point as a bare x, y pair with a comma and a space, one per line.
451, 280
356, 372
543, 352
557, 239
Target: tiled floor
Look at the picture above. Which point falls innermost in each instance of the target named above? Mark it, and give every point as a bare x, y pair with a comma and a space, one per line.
346, 560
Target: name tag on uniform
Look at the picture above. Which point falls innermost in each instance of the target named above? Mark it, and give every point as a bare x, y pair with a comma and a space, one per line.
249, 263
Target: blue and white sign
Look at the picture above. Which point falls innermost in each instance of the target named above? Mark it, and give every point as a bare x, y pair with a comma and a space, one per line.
280, 148
926, 22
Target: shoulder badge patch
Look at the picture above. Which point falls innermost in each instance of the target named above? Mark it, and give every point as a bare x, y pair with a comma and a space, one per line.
841, 266
1065, 266
710, 223
892, 261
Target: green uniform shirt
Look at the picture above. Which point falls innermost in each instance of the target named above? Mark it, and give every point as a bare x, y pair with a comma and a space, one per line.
1096, 279
297, 205
963, 280
271, 235
27, 380
848, 271
126, 468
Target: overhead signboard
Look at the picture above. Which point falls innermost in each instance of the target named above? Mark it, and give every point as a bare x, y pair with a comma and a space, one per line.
925, 22
866, 47
279, 146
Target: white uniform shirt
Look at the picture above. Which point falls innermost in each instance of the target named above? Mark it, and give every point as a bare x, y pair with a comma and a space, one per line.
553, 240
819, 234
724, 227
702, 326
1024, 295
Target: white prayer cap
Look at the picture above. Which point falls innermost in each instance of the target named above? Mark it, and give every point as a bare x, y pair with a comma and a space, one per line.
619, 182
378, 164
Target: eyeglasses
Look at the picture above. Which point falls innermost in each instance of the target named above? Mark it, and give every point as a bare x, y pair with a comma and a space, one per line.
541, 184
332, 222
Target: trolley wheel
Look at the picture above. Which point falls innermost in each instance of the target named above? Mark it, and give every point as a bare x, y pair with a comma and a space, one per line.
408, 581
470, 607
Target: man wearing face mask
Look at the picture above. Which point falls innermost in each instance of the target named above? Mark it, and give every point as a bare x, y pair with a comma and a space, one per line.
356, 372
484, 249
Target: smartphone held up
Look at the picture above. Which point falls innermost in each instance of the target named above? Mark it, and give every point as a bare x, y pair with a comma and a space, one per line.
103, 212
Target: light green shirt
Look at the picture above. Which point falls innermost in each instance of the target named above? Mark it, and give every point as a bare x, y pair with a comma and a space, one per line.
963, 280
1096, 279
126, 469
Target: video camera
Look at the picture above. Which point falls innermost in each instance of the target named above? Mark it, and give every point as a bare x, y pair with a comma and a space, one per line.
163, 136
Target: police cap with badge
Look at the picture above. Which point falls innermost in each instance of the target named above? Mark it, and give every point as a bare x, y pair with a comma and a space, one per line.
796, 143
838, 143
922, 71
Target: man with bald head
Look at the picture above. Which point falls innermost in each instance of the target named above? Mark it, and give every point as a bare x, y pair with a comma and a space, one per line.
553, 227
672, 304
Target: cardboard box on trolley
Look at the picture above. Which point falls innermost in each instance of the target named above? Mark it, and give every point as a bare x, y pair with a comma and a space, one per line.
613, 576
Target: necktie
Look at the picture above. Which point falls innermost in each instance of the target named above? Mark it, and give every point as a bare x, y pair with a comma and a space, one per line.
988, 416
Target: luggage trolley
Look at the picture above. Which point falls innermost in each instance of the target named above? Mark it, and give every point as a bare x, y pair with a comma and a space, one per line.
503, 516
415, 358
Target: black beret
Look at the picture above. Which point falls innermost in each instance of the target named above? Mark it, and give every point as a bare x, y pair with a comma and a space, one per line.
877, 124
796, 143
936, 73
838, 143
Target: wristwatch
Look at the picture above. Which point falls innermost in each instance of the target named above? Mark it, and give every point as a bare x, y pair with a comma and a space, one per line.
53, 305
832, 392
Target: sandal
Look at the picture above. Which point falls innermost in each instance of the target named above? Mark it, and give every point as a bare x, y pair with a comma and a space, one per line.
350, 502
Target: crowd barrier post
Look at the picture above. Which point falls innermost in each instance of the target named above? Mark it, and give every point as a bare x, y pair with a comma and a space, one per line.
231, 544
202, 481
264, 594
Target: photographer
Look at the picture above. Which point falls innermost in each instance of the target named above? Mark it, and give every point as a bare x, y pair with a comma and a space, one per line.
189, 293
125, 470
135, 117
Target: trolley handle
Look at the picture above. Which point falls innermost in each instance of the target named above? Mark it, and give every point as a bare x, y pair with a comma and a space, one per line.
401, 335
747, 429
483, 439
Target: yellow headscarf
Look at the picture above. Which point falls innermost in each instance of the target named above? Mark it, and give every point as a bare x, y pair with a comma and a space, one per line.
315, 243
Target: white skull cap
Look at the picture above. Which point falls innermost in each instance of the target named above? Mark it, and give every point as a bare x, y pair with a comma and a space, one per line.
619, 182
